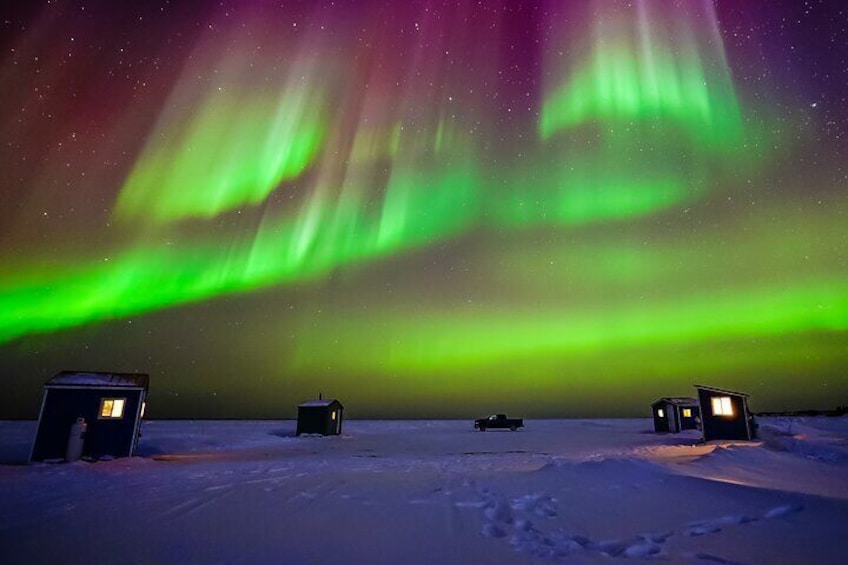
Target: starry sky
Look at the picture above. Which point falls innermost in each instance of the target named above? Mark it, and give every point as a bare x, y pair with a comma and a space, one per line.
427, 208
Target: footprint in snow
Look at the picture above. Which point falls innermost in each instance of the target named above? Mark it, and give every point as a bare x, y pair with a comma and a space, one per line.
510, 521
657, 537
498, 511
646, 549
504, 520
527, 539
492, 530
714, 559
635, 547
716, 524
539, 504
779, 511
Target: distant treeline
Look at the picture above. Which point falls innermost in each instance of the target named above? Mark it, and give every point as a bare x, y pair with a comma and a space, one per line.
838, 411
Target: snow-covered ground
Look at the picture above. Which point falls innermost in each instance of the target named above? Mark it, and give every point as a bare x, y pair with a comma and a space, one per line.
559, 491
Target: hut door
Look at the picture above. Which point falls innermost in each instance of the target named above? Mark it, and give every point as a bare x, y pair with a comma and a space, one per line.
673, 420
338, 422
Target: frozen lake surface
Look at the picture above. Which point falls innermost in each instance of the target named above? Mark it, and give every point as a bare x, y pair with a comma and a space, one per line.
558, 491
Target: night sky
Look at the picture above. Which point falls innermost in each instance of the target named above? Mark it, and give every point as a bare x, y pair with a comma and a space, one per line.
426, 208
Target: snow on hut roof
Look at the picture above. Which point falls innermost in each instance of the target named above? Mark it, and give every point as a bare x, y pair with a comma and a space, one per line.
677, 400
322, 403
721, 390
95, 379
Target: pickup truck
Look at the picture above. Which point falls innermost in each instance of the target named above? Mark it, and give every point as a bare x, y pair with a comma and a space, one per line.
498, 421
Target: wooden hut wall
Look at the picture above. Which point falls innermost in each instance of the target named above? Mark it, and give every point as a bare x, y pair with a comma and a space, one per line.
337, 423
724, 427
312, 420
62, 407
689, 422
660, 422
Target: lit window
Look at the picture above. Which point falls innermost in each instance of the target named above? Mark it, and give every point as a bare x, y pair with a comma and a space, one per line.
333, 415
661, 413
687, 412
722, 406
112, 408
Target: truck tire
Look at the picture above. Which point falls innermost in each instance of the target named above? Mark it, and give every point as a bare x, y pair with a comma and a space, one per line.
513, 427
482, 428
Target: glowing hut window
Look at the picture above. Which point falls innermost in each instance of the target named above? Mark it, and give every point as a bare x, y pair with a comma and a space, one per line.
112, 408
661, 413
722, 406
333, 415
687, 412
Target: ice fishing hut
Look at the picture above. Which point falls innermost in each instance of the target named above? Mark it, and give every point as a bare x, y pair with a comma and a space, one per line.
725, 414
90, 414
675, 413
320, 417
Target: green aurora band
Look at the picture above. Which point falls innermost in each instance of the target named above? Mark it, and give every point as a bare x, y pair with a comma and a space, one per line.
233, 151
647, 122
323, 235
591, 296
645, 71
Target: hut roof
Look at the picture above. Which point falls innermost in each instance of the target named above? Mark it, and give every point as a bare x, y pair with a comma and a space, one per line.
98, 379
721, 390
322, 403
677, 400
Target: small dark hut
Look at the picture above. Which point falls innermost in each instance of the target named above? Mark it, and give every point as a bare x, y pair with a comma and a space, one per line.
725, 414
676, 413
89, 414
320, 417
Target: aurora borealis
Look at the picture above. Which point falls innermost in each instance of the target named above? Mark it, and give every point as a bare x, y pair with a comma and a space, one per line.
426, 208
